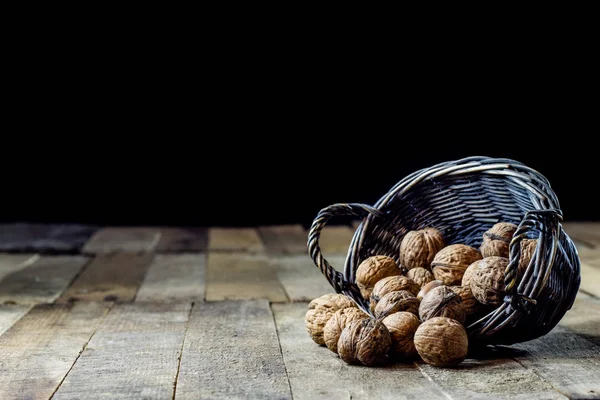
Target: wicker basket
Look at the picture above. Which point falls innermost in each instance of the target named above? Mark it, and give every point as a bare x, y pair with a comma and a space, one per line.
463, 199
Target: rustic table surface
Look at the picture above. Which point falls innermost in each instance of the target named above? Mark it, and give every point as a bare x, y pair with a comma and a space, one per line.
163, 313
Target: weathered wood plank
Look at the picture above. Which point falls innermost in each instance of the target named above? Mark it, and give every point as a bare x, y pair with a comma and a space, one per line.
174, 277
9, 314
584, 318
317, 373
126, 239
590, 279
239, 276
570, 363
180, 240
587, 233
44, 238
589, 256
41, 282
231, 352
301, 279
11, 263
133, 354
335, 239
110, 277
284, 239
494, 375
38, 351
234, 239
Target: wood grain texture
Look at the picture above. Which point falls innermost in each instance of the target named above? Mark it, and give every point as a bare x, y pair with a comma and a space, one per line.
238, 276
335, 239
41, 282
569, 362
584, 318
284, 239
301, 279
11, 263
235, 239
317, 373
587, 233
9, 314
126, 239
44, 238
180, 240
110, 277
38, 350
134, 354
231, 352
494, 375
174, 277
590, 279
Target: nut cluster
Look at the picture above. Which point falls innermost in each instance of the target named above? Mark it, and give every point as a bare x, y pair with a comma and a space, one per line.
421, 301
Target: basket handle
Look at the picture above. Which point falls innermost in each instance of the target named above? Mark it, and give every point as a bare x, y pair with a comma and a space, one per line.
335, 278
547, 222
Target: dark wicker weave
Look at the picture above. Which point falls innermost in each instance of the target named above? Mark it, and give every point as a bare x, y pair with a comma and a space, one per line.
463, 199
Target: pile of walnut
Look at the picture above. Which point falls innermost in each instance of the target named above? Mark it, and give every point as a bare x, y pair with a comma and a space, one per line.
421, 305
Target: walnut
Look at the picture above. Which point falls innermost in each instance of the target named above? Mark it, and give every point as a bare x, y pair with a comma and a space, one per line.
418, 248
336, 324
319, 312
487, 282
469, 302
528, 247
420, 275
450, 263
402, 327
374, 269
427, 287
394, 302
496, 240
391, 284
365, 341
442, 302
466, 279
441, 342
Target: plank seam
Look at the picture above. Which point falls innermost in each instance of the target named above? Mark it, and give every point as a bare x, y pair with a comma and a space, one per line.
589, 293
430, 379
77, 275
534, 372
108, 309
281, 350
187, 324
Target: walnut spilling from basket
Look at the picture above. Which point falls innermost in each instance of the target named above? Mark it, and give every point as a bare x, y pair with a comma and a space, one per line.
423, 312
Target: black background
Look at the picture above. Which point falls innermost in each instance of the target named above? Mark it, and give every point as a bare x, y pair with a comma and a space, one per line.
253, 179
241, 144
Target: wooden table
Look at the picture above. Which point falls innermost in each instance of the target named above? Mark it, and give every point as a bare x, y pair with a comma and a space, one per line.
163, 312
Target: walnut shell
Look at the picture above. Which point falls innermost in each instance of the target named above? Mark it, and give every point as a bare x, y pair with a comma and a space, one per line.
487, 282
418, 248
420, 275
336, 324
319, 312
365, 341
428, 287
466, 279
450, 263
402, 327
442, 302
469, 302
391, 284
496, 240
528, 247
394, 302
374, 269
441, 342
